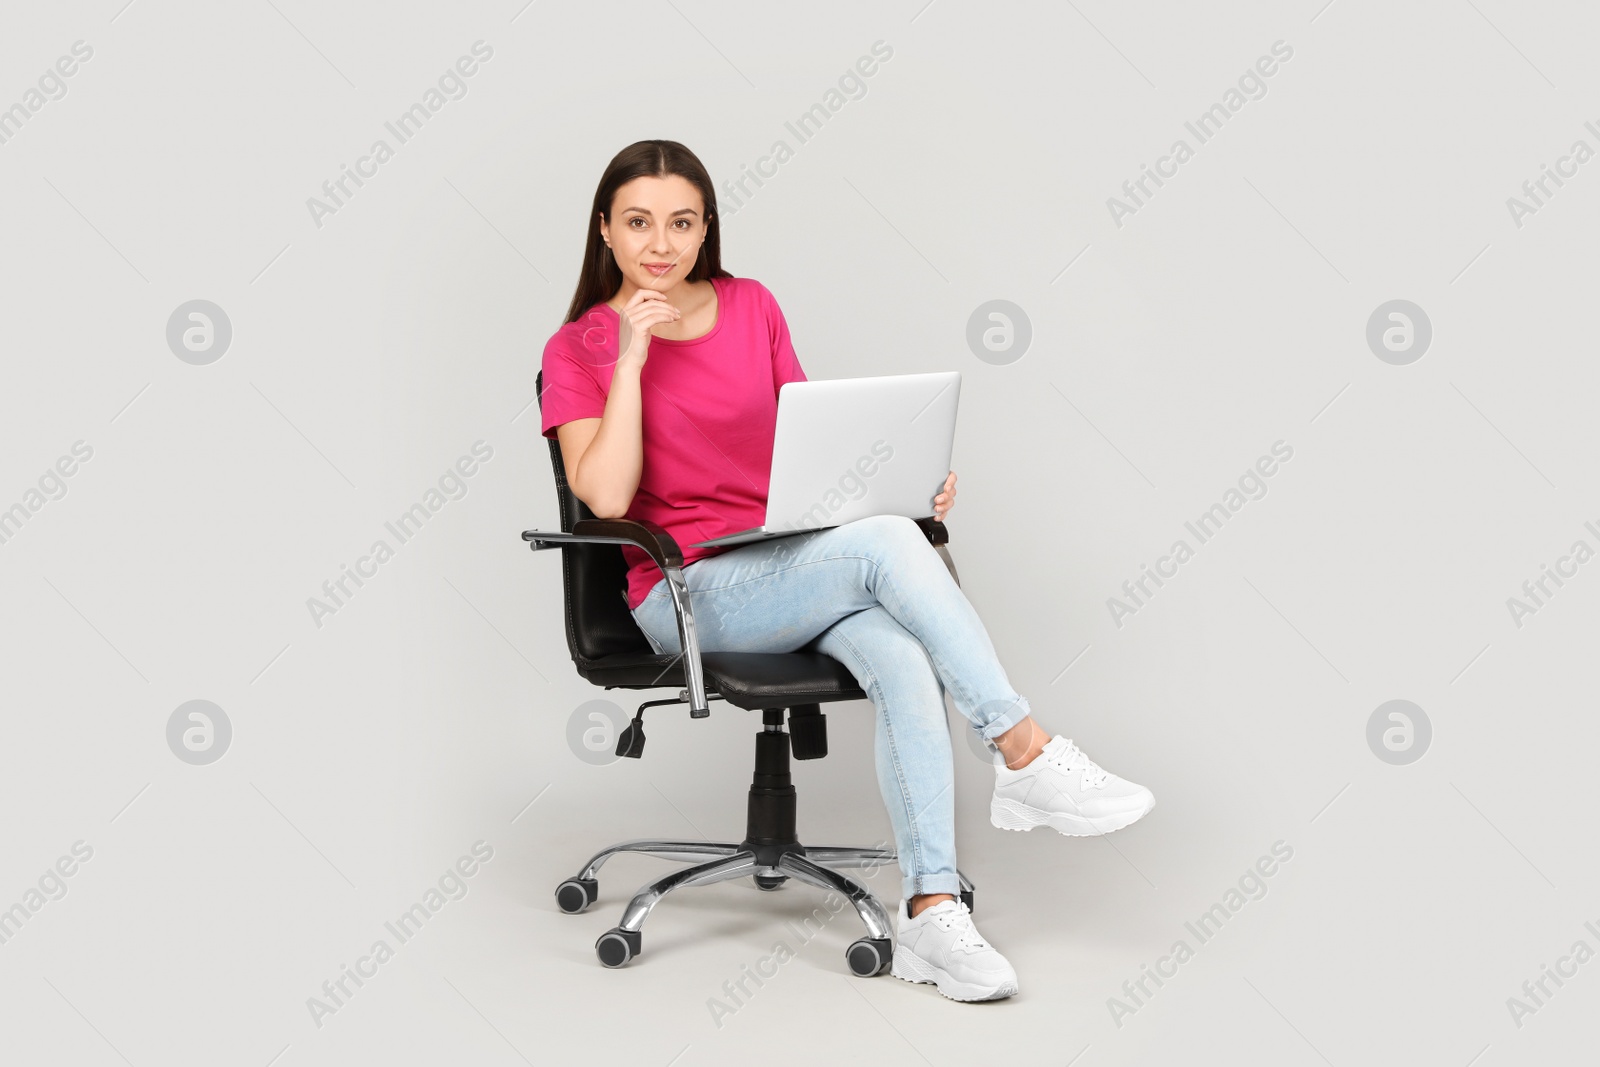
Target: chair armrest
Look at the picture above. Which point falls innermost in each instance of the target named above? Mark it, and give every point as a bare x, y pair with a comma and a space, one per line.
664, 550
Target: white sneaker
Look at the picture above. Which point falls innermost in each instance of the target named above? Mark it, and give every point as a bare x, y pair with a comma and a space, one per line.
943, 947
1066, 790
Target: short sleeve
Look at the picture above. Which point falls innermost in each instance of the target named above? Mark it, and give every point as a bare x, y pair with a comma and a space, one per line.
572, 388
785, 365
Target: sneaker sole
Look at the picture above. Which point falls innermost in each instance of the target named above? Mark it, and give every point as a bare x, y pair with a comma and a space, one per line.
1010, 815
909, 967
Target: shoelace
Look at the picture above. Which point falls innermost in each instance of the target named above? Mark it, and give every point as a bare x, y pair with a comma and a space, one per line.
960, 921
1069, 756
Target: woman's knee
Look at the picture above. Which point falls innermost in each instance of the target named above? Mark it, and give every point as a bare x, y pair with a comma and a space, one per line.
898, 526
880, 652
889, 537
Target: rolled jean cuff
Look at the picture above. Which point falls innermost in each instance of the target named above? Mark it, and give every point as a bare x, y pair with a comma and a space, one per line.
1013, 715
931, 883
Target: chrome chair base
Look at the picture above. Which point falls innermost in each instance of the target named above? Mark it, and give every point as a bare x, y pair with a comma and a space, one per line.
712, 862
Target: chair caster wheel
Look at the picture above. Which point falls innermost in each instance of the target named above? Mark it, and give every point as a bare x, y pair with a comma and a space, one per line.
966, 898
617, 946
869, 956
767, 883
576, 894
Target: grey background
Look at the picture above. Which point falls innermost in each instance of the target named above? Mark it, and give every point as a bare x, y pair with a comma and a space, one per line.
1167, 354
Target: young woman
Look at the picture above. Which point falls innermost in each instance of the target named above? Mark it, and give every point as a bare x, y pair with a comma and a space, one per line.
662, 390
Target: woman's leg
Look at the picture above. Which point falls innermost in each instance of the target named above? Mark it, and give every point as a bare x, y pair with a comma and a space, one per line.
883, 602
778, 596
912, 745
781, 596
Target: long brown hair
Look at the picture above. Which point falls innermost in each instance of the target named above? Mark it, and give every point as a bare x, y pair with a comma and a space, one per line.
600, 277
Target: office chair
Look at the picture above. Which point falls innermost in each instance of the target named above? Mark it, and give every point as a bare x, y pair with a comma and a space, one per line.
609, 649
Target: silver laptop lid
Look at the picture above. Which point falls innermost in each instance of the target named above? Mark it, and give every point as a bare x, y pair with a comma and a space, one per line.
847, 448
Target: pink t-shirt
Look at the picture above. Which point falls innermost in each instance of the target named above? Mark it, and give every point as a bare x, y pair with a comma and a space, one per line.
710, 409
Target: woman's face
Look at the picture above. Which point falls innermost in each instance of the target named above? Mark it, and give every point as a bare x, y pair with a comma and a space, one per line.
656, 230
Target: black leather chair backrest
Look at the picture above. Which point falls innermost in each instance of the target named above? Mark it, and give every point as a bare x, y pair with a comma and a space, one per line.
594, 579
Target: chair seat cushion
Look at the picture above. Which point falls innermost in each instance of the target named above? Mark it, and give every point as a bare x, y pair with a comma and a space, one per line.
749, 680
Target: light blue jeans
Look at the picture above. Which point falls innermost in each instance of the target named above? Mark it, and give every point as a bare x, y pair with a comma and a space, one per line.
875, 595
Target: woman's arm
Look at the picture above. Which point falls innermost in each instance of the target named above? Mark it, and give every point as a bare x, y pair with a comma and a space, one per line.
604, 457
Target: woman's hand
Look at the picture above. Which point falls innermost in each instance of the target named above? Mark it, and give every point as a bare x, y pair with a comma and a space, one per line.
946, 498
643, 311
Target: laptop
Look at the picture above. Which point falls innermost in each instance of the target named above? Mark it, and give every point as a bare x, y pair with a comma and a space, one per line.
850, 448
